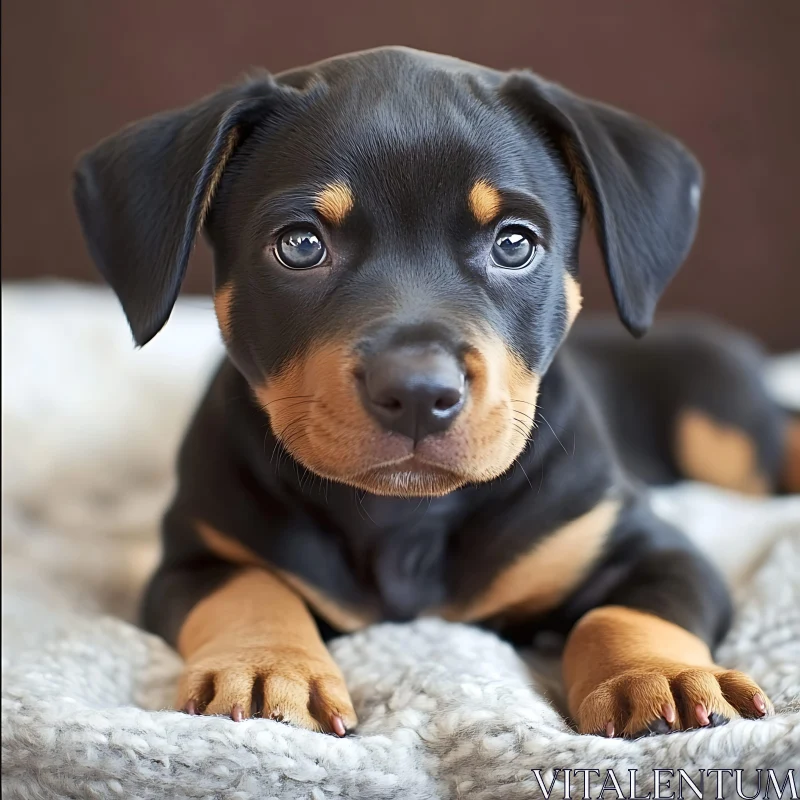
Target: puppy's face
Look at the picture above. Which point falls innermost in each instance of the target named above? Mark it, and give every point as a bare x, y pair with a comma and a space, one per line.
394, 270
395, 239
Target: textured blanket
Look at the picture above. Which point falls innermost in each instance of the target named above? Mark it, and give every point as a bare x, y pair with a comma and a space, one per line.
90, 427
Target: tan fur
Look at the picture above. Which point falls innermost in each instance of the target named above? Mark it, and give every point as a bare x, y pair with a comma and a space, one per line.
253, 643
790, 477
335, 202
224, 156
624, 667
315, 410
541, 578
228, 548
223, 302
712, 452
572, 297
341, 616
484, 202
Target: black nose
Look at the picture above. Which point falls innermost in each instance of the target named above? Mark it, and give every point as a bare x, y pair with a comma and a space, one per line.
415, 391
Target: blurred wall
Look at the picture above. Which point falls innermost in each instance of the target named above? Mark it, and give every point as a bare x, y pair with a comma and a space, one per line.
721, 75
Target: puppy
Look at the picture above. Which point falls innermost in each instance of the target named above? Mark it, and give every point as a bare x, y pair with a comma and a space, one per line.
398, 429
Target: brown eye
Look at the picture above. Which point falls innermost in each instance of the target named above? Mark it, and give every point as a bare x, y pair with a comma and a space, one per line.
300, 248
514, 248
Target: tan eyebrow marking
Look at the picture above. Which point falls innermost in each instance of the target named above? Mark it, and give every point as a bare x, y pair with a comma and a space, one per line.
484, 201
335, 202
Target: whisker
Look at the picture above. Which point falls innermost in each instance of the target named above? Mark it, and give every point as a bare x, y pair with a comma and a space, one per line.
295, 405
288, 397
521, 431
291, 441
428, 507
554, 434
361, 503
522, 413
526, 421
275, 446
264, 443
519, 464
306, 474
281, 438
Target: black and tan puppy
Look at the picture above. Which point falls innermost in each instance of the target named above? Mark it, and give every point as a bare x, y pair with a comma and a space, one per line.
397, 430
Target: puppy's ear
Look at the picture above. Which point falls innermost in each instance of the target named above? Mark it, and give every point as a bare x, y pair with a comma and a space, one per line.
142, 196
638, 186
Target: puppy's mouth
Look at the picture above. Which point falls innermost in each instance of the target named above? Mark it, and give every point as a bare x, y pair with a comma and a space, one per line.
319, 416
389, 464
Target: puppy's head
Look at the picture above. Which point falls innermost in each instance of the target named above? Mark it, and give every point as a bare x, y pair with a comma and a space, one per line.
395, 239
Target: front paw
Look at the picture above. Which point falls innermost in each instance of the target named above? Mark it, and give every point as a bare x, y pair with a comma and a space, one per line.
286, 684
670, 697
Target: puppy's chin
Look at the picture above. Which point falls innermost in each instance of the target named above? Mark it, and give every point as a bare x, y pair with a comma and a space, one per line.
407, 476
409, 479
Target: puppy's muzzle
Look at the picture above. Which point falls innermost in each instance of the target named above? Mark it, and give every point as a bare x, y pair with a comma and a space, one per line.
414, 390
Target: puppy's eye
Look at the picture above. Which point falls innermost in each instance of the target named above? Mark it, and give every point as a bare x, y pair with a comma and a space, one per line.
300, 248
514, 248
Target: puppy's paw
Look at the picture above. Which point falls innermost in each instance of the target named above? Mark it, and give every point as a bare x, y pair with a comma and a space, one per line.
670, 697
286, 684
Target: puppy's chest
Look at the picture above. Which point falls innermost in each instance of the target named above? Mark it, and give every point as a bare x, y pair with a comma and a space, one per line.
399, 565
470, 573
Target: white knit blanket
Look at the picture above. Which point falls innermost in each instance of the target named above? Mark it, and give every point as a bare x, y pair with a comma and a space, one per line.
90, 427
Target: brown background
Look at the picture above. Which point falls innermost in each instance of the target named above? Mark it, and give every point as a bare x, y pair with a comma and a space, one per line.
721, 75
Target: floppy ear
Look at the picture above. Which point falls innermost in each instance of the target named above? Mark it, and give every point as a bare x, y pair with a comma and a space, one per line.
142, 196
638, 186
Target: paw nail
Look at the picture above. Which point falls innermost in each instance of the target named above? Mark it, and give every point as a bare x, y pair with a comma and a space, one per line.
702, 714
668, 713
610, 730
761, 706
338, 726
237, 715
190, 708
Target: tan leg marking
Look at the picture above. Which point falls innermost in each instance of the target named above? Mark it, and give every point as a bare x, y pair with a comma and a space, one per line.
335, 202
790, 477
631, 669
712, 452
223, 302
252, 645
484, 202
341, 616
573, 298
542, 578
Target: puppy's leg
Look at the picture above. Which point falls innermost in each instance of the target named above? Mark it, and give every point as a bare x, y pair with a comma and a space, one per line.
251, 647
642, 662
728, 430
